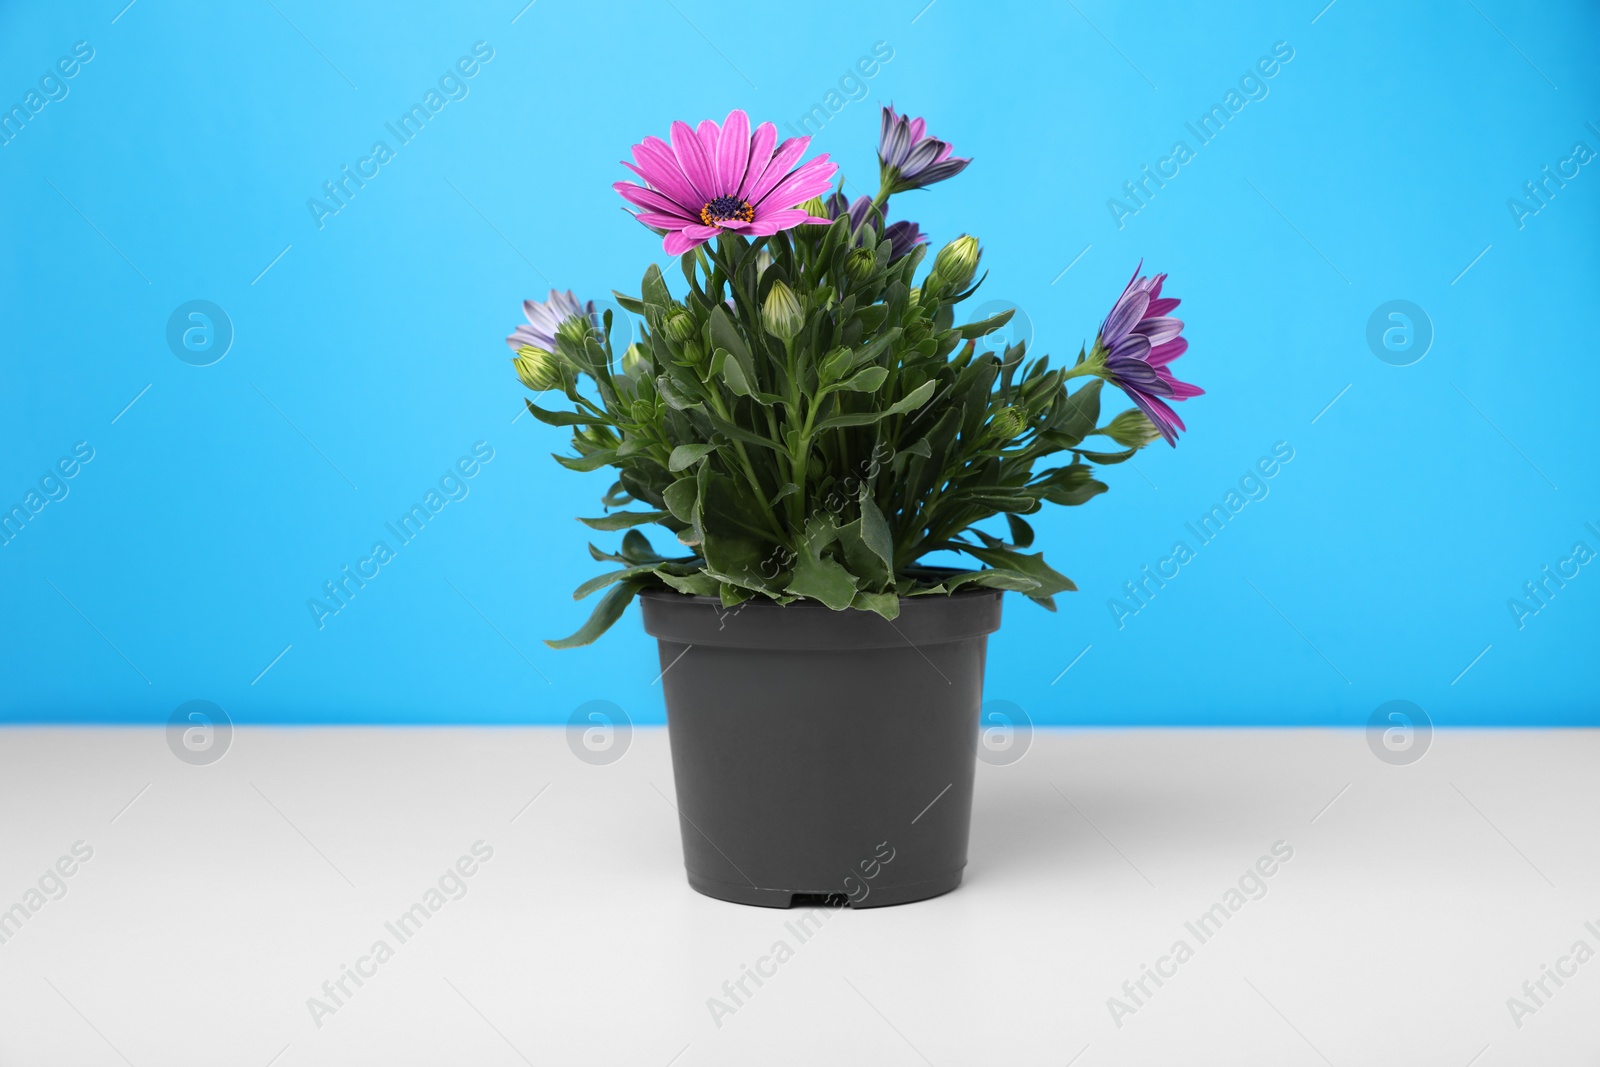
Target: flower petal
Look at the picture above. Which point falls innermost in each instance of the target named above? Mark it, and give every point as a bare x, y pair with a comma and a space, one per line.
775, 169
892, 149
810, 180
693, 161
673, 186
660, 168
938, 172
733, 151
1159, 330
770, 222
665, 222
1161, 355
1165, 419
651, 200
681, 241
1128, 311
761, 143
923, 154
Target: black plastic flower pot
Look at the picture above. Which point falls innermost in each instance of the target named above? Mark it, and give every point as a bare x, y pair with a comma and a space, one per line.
819, 754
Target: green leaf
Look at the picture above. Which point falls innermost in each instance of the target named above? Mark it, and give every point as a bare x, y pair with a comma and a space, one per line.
565, 418
636, 549
867, 381
878, 344
875, 532
864, 561
833, 365
913, 400
817, 577
631, 303
824, 580
600, 581
686, 456
978, 329
673, 395
697, 584
622, 520
993, 579
654, 288
1021, 532
1081, 411
734, 376
592, 462
608, 611
682, 498
885, 604
738, 559
724, 334
1105, 459
1068, 486
1030, 566
1000, 500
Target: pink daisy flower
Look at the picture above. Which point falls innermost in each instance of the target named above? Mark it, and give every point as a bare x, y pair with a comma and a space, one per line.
724, 177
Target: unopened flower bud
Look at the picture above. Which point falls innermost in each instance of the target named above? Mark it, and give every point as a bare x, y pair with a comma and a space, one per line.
538, 370
815, 208
780, 314
1132, 429
1008, 423
957, 261
576, 329
859, 264
679, 326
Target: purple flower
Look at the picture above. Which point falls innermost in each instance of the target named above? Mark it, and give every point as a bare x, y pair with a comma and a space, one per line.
860, 211
724, 177
1136, 343
902, 236
544, 319
907, 159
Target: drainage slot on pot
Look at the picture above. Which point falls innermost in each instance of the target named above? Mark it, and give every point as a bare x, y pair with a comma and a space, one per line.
819, 900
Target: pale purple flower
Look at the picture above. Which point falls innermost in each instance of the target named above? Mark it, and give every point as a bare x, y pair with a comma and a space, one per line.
1137, 342
717, 178
908, 158
544, 318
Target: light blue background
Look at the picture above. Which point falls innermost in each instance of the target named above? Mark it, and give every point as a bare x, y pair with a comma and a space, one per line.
370, 354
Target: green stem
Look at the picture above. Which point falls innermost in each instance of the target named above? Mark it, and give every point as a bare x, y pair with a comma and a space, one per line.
747, 468
803, 459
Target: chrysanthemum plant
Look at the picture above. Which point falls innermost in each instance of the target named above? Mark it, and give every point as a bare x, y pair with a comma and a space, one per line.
808, 419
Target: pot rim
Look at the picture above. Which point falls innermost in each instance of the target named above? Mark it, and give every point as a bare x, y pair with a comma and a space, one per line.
930, 619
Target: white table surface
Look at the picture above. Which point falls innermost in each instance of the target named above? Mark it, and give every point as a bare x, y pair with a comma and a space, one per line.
221, 898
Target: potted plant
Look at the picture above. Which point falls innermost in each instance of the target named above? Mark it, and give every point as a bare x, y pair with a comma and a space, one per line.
809, 423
